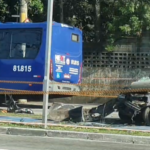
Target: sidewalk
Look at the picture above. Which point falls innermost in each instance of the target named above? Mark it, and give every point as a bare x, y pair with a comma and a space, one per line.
77, 135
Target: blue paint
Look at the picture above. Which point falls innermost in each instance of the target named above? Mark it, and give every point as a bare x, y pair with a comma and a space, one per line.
132, 127
19, 119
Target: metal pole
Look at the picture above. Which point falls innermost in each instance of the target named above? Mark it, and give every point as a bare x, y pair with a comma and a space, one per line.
23, 10
47, 60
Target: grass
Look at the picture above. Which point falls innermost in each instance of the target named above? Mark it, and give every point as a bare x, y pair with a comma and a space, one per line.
65, 127
78, 129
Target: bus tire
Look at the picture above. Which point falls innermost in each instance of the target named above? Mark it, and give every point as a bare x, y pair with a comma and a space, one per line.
146, 116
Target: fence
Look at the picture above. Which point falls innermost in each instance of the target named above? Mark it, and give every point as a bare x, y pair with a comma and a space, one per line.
84, 92
116, 68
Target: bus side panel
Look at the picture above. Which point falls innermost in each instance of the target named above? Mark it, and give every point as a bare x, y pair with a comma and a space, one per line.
24, 69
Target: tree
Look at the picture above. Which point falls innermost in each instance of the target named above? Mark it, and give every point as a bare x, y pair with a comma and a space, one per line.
36, 10
80, 13
9, 7
103, 21
126, 18
3, 10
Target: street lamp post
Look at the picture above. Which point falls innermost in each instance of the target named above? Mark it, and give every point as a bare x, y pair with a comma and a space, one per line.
23, 10
47, 61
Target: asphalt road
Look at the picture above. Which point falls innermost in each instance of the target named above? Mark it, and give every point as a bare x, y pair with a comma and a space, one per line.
9, 142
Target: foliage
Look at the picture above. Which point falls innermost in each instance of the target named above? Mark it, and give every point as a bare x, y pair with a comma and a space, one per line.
9, 7
103, 21
128, 18
35, 9
3, 10
76, 13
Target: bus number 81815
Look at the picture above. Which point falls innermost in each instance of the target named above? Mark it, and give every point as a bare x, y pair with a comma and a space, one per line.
22, 68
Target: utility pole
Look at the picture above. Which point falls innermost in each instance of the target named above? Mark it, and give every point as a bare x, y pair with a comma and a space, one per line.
47, 60
23, 10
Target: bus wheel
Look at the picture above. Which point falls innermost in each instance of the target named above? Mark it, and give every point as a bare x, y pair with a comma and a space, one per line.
146, 116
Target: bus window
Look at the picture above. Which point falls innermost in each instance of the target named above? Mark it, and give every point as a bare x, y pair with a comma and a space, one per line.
75, 37
20, 43
5, 38
25, 43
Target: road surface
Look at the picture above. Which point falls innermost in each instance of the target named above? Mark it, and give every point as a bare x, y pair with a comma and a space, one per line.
9, 142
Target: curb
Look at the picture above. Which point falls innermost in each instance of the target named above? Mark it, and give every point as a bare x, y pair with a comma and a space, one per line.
76, 135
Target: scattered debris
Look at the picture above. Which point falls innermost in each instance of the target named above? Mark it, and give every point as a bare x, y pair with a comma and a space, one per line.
13, 107
65, 112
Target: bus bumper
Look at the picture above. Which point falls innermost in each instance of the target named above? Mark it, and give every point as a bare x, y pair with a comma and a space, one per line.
62, 87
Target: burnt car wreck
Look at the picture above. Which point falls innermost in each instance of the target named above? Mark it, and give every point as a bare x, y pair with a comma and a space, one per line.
132, 107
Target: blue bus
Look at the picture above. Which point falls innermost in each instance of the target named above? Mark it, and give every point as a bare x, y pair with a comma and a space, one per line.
22, 56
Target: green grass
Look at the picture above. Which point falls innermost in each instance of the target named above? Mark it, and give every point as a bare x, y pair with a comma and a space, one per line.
66, 128
78, 129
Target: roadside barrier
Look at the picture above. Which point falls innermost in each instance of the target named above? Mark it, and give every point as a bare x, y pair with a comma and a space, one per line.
87, 93
83, 84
